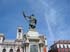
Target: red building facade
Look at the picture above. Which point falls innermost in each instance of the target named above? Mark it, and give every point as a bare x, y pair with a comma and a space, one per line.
60, 46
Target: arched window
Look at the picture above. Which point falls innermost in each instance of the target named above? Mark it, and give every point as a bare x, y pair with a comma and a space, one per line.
18, 50
11, 50
4, 50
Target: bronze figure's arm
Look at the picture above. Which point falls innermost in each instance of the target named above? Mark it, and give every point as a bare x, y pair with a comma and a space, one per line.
26, 17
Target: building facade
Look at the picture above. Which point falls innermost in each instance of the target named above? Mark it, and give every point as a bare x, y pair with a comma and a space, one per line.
30, 41
60, 46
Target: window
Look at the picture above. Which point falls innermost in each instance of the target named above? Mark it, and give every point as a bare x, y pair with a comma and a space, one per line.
18, 50
19, 30
33, 48
68, 47
11, 50
61, 45
4, 50
57, 45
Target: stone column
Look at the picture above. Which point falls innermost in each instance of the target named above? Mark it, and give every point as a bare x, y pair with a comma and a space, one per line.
26, 45
41, 44
40, 47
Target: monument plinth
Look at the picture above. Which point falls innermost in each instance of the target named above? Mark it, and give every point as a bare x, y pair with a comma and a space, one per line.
35, 39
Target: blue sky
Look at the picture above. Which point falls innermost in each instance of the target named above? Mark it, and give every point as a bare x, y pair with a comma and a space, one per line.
53, 17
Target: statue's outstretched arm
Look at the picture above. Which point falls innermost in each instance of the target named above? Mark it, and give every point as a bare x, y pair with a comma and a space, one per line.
26, 17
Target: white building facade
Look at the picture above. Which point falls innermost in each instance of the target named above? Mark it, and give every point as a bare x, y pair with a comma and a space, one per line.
31, 41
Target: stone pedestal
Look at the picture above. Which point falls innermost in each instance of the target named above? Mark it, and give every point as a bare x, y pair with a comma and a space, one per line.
34, 42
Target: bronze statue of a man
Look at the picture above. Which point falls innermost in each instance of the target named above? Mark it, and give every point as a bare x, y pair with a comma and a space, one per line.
32, 21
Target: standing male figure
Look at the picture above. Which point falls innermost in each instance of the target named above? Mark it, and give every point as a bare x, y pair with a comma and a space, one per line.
32, 21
